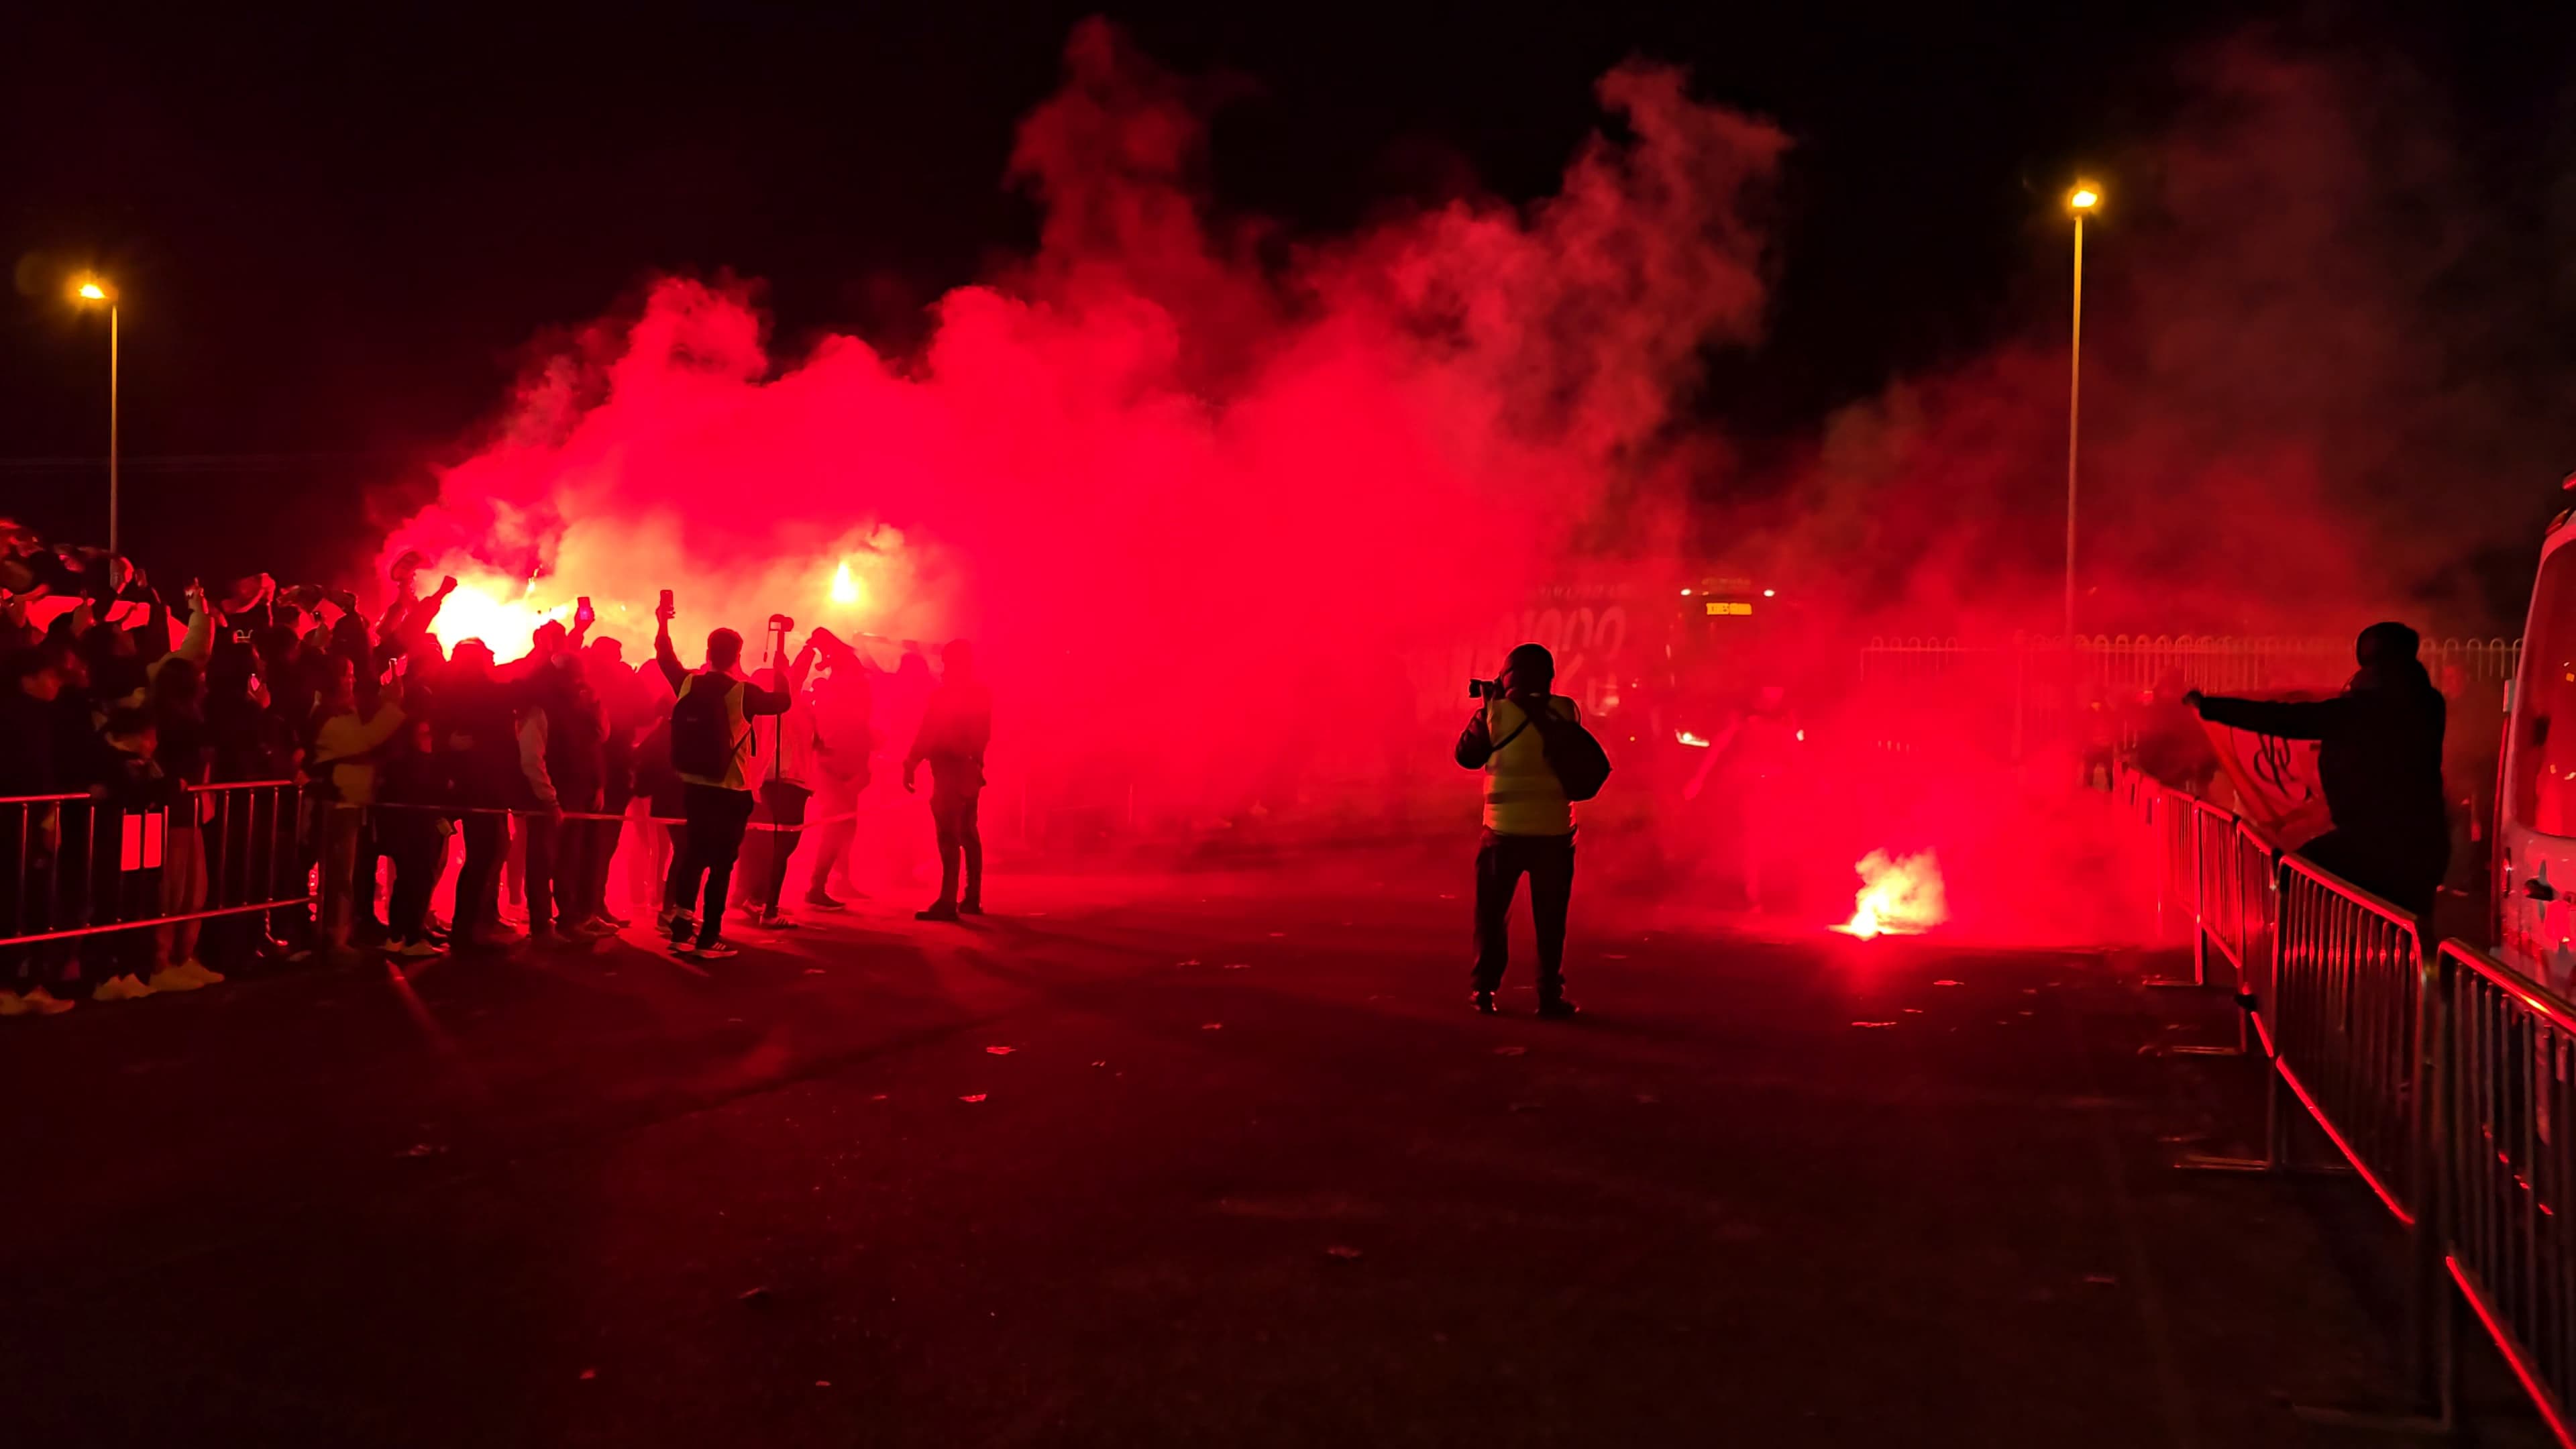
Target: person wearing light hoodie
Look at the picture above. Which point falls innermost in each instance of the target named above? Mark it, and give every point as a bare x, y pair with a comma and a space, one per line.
342, 772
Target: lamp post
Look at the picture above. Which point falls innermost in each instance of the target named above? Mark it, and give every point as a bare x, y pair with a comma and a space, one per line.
91, 289
2081, 200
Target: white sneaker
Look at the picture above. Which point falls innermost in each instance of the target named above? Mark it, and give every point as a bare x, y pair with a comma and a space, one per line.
174, 978
206, 975
417, 950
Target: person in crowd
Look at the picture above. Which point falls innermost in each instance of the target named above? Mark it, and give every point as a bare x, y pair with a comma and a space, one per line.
477, 730
654, 874
2379, 758
622, 708
30, 831
562, 752
846, 738
956, 728
710, 737
131, 798
186, 753
413, 783
347, 740
785, 765
1529, 827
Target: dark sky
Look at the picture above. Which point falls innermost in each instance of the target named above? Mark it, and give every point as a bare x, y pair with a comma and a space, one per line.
336, 235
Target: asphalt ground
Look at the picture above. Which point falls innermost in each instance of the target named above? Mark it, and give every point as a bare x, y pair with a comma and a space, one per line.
1208, 1158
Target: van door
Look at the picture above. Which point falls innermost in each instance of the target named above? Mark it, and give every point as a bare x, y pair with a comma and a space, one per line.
2535, 874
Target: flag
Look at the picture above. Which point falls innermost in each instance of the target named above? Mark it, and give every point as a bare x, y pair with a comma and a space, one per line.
2277, 786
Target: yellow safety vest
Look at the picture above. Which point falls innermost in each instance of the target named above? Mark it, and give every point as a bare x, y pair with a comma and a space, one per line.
1522, 796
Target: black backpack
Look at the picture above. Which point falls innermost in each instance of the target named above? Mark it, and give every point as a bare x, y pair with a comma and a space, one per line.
702, 740
1581, 766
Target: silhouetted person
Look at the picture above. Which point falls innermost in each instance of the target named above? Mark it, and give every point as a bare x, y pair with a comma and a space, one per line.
956, 726
710, 744
1529, 826
2380, 759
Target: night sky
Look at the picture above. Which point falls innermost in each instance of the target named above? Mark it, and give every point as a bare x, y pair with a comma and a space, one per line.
337, 236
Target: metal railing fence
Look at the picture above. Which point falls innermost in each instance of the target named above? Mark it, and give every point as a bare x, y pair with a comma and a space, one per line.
2445, 1078
76, 866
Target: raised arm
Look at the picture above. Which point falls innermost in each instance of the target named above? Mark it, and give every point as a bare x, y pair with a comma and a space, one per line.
2281, 719
663, 655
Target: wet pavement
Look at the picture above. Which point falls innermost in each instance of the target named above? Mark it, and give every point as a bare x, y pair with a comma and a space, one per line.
1194, 1159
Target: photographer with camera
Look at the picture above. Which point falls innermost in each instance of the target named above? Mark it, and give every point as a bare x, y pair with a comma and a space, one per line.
710, 737
1538, 760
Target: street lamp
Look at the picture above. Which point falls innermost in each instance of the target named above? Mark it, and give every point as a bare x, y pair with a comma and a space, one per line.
2083, 199
91, 289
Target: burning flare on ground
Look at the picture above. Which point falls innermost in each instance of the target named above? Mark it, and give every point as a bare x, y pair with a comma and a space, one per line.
1898, 896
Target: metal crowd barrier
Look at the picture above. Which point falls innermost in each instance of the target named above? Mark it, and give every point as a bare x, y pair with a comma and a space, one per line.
78, 866
2446, 1079
2507, 1167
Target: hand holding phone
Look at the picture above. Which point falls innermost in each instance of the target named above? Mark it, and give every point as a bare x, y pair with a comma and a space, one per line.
664, 610
582, 612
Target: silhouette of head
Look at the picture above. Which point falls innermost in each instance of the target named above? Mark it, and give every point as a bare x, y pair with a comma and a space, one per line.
958, 659
724, 649
2384, 644
1529, 669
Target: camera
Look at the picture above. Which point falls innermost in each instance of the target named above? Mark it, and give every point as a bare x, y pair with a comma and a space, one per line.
1484, 689
781, 624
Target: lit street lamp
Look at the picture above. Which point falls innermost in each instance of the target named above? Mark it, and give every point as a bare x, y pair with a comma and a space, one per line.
91, 289
2081, 200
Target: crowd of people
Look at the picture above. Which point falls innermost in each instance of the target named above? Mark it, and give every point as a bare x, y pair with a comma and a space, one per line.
423, 775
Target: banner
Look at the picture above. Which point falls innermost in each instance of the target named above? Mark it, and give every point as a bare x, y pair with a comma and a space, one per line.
2276, 781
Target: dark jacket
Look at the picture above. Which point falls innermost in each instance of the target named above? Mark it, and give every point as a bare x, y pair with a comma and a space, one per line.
27, 733
2379, 755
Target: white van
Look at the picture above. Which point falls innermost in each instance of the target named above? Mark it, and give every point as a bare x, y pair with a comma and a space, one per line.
2535, 842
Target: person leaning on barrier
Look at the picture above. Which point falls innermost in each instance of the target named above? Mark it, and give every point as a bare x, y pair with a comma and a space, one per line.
1529, 826
2379, 756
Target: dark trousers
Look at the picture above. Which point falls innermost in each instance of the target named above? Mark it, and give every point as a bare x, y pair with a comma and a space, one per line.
716, 817
559, 873
2405, 873
952, 815
782, 804
487, 844
605, 835
419, 853
1501, 861
362, 875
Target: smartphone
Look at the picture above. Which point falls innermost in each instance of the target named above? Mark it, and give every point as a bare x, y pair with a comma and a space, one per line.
582, 613
665, 610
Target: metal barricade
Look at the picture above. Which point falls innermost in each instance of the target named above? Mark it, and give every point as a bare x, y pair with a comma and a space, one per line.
2506, 1167
79, 866
2352, 990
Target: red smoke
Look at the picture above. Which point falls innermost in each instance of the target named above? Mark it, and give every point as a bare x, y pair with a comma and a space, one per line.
1197, 505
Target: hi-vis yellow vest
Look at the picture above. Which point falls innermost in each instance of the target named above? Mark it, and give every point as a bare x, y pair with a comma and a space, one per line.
1522, 796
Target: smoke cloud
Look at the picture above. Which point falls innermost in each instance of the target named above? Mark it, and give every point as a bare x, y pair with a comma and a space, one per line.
1199, 485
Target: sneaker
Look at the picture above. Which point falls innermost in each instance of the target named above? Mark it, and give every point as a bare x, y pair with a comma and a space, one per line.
717, 950
597, 928
544, 937
823, 900
12, 1004
615, 923
1557, 1008
416, 950
775, 921
205, 974
1484, 1004
120, 988
496, 936
683, 928
172, 978
970, 908
41, 1002
942, 911
662, 919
